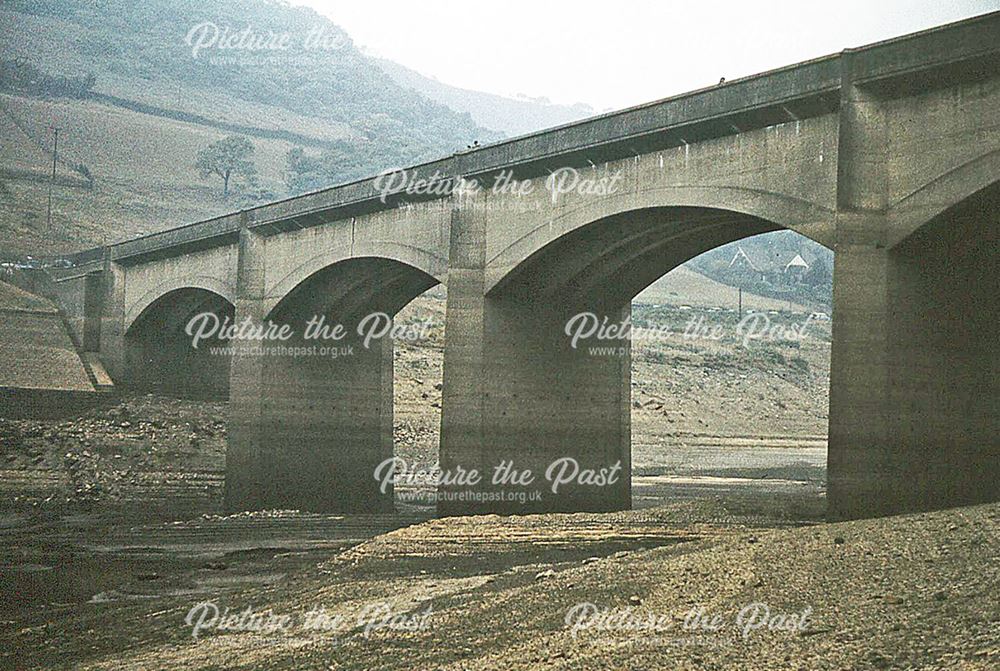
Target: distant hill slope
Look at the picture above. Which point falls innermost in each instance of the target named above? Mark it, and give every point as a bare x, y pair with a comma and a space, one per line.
685, 286
512, 116
154, 104
188, 55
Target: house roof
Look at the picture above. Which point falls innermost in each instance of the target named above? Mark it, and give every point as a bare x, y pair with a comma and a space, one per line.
798, 262
755, 260
764, 262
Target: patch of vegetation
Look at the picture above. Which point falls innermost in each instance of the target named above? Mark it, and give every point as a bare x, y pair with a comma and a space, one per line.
388, 125
84, 171
722, 360
21, 77
226, 158
799, 364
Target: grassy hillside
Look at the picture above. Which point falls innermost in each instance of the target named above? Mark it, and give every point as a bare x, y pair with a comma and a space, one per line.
686, 286
155, 103
143, 168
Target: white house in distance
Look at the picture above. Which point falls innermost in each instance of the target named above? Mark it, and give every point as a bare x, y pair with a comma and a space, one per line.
796, 266
772, 269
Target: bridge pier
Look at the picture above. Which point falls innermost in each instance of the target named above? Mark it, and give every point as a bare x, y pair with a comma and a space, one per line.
914, 369
517, 393
307, 430
111, 333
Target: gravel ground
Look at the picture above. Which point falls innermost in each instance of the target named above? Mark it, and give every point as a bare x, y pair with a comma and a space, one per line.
909, 592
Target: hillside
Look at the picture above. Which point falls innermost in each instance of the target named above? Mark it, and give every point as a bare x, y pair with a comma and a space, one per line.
166, 52
513, 116
686, 286
154, 102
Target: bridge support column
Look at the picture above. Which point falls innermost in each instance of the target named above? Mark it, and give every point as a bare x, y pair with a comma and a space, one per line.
863, 469
307, 429
517, 394
112, 329
914, 377
914, 360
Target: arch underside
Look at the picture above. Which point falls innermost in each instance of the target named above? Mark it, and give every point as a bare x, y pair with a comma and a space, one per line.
608, 262
161, 357
945, 292
168, 293
350, 289
914, 416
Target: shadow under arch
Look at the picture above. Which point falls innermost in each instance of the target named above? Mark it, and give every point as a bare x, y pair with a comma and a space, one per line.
316, 420
160, 356
750, 205
618, 256
353, 288
944, 355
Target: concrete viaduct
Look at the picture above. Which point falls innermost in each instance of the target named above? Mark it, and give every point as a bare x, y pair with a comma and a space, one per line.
888, 154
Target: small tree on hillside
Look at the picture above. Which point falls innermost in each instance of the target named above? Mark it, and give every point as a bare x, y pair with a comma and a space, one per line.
227, 157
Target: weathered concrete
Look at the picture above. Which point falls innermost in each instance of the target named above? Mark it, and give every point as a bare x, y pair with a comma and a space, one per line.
41, 372
310, 423
888, 154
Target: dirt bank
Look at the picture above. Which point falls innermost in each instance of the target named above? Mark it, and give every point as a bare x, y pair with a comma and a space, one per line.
497, 593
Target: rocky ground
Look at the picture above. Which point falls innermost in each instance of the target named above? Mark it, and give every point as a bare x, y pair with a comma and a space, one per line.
640, 590
111, 531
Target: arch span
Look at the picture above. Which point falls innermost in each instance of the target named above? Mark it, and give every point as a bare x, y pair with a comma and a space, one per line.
381, 254
317, 419
662, 207
936, 200
347, 286
204, 283
620, 255
547, 397
160, 356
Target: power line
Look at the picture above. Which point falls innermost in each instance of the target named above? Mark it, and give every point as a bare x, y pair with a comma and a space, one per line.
55, 157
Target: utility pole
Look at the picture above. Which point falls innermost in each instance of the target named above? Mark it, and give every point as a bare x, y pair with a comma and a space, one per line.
740, 289
55, 154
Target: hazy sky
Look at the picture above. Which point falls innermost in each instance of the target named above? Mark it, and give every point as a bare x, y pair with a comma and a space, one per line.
618, 53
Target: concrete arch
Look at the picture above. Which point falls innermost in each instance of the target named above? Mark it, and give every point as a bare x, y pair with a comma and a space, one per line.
204, 282
811, 220
421, 260
159, 354
935, 198
324, 400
